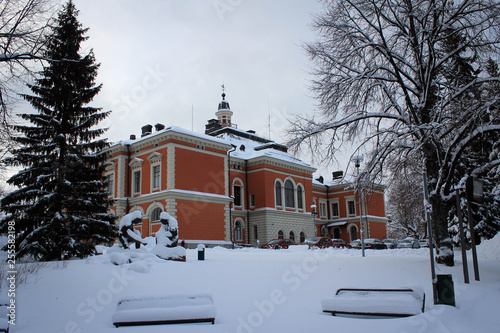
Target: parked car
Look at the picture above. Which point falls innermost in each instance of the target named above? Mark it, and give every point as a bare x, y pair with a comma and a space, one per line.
409, 243
318, 242
424, 242
390, 243
337, 242
278, 244
355, 244
374, 244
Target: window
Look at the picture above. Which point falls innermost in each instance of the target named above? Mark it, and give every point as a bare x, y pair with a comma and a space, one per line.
353, 232
289, 195
155, 214
255, 234
252, 200
277, 191
351, 207
137, 182
281, 235
156, 177
292, 236
302, 237
237, 195
336, 233
335, 209
111, 184
300, 201
237, 232
322, 209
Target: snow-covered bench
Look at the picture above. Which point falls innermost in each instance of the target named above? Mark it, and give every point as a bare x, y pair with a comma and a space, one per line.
4, 318
376, 302
165, 310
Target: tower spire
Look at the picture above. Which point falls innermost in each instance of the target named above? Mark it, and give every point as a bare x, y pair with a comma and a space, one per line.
224, 112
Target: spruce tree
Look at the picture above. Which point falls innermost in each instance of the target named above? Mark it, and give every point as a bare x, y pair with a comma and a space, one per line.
60, 207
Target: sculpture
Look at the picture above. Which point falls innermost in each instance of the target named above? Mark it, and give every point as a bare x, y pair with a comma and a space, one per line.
167, 239
127, 233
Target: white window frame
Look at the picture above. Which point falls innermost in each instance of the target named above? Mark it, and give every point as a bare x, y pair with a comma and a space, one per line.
136, 186
334, 202
238, 232
110, 188
155, 160
301, 198
322, 209
155, 181
238, 182
350, 199
136, 166
281, 194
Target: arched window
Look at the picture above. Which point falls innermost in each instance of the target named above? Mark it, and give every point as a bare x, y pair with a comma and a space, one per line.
353, 232
289, 198
292, 236
277, 188
155, 214
302, 237
300, 200
237, 232
281, 235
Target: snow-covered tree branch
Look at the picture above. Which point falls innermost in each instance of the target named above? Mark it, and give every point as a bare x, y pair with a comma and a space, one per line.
24, 25
407, 80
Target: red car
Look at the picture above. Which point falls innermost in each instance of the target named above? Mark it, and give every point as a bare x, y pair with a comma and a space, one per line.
318, 242
278, 244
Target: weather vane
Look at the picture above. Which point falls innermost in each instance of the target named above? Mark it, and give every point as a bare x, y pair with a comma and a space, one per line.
223, 89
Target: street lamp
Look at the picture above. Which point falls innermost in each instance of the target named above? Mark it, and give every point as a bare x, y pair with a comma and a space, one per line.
357, 163
474, 189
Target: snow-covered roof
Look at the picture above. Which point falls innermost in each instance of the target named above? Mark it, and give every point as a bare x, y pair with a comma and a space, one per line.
250, 146
347, 179
175, 129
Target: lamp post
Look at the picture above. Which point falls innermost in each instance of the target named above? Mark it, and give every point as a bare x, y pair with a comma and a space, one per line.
357, 163
428, 210
474, 188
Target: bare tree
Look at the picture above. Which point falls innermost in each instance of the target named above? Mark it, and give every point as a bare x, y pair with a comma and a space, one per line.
404, 204
23, 28
379, 78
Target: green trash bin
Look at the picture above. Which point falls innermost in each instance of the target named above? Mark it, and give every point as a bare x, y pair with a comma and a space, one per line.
445, 289
201, 251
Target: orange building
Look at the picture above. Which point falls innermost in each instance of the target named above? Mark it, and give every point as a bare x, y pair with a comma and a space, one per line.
339, 209
230, 186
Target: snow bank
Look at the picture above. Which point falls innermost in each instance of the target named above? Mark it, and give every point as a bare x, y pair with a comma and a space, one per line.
168, 253
490, 249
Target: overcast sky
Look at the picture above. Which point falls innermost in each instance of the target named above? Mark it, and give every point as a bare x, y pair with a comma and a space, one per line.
161, 59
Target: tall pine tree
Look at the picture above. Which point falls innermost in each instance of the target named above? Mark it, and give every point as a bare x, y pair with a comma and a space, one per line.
60, 208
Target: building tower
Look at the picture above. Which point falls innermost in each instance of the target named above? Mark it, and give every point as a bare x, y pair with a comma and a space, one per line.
224, 112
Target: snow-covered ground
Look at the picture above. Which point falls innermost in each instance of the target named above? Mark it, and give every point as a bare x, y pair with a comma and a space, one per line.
256, 290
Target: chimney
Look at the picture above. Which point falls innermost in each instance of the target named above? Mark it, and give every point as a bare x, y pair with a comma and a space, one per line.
337, 174
159, 127
212, 126
132, 136
146, 130
251, 131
